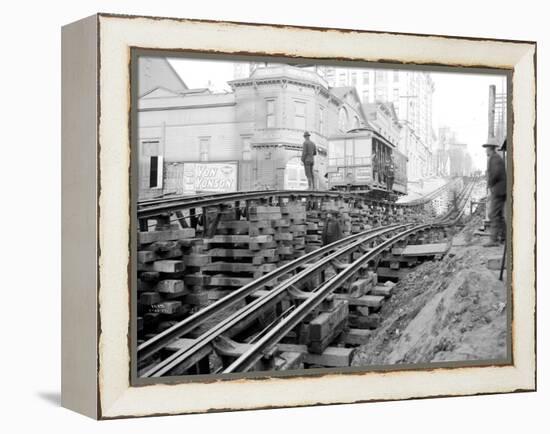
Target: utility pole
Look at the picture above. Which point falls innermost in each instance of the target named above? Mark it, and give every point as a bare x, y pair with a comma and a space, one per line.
407, 122
491, 115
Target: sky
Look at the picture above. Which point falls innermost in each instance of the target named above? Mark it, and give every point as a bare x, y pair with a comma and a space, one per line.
460, 100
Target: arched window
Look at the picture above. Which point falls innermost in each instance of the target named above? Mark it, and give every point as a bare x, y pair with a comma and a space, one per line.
355, 122
342, 119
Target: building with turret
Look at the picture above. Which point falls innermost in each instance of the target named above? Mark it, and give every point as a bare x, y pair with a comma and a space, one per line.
254, 134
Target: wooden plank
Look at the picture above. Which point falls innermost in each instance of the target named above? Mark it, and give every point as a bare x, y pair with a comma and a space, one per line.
326, 322
382, 290
317, 347
280, 223
196, 279
169, 235
283, 237
196, 298
144, 256
289, 360
168, 266
196, 260
356, 336
426, 249
149, 298
374, 301
254, 232
265, 216
170, 286
364, 322
149, 276
331, 357
229, 281
241, 253
236, 267
222, 239
167, 307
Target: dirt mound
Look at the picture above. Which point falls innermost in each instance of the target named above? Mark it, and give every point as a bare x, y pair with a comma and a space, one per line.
451, 310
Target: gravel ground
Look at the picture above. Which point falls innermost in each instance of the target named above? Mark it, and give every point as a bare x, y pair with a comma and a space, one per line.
448, 310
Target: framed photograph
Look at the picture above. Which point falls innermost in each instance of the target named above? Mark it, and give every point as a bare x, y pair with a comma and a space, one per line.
262, 216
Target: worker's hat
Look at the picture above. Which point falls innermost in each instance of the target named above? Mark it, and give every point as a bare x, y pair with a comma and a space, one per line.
306, 134
489, 145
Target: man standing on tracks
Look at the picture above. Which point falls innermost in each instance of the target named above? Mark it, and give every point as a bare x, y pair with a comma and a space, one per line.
309, 150
496, 183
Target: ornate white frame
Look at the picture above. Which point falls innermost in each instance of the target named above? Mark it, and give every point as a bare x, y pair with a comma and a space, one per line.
96, 215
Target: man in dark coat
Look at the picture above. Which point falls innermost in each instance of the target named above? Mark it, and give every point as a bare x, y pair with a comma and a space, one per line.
332, 229
309, 150
496, 183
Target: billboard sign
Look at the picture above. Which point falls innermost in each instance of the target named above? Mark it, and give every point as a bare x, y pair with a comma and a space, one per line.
209, 177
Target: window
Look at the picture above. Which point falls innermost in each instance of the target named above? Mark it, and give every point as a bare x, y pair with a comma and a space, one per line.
380, 75
381, 94
155, 171
247, 149
204, 148
342, 79
300, 115
365, 96
353, 78
342, 119
270, 113
355, 122
321, 121
366, 77
395, 95
395, 76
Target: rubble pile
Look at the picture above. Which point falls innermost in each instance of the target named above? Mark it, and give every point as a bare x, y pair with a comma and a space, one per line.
449, 310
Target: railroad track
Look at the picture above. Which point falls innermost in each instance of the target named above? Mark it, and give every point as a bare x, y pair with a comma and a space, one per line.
337, 249
370, 243
155, 207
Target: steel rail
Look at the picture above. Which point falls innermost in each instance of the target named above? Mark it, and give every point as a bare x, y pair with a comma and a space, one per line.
247, 360
462, 200
159, 341
251, 357
152, 209
176, 359
187, 198
198, 202
430, 196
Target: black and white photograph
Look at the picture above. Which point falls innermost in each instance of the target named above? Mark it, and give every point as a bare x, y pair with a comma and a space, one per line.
295, 217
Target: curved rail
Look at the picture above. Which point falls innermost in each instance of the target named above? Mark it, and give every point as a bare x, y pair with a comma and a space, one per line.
219, 329
155, 207
158, 342
250, 357
247, 360
430, 196
338, 248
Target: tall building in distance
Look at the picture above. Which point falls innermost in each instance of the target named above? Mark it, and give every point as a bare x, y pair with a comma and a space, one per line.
411, 94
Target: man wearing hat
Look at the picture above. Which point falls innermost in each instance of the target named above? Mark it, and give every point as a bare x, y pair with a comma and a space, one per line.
309, 150
496, 183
